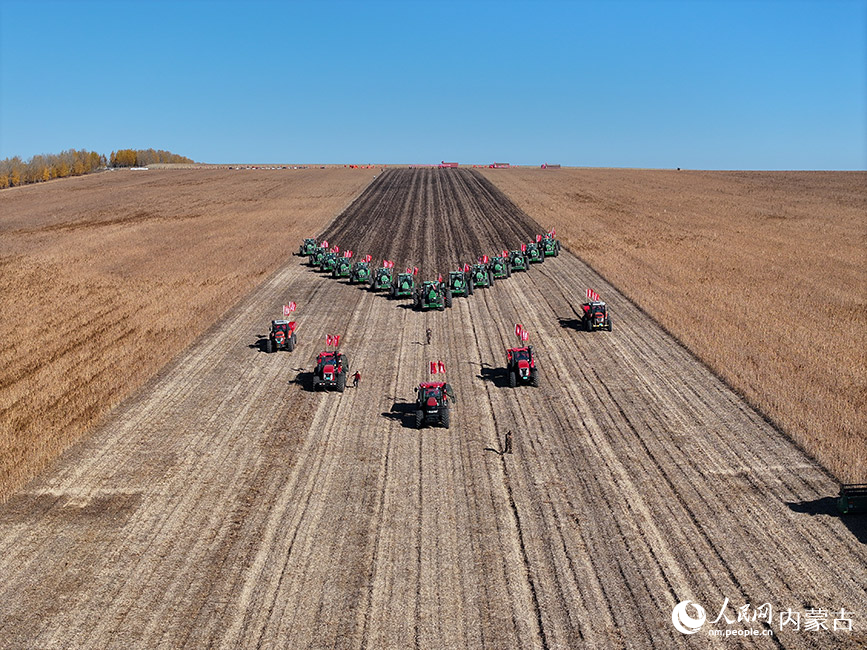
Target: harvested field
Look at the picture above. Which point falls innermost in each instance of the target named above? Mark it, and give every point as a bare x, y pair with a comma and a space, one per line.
761, 274
106, 278
228, 505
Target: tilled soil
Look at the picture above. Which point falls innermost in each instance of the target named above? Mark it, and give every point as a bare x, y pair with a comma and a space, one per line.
226, 504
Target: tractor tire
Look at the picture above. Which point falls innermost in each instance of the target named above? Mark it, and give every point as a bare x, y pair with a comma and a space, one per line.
513, 379
341, 382
445, 417
534, 377
290, 345
469, 288
542, 257
448, 300
508, 271
588, 325
419, 419
269, 346
490, 279
608, 327
315, 382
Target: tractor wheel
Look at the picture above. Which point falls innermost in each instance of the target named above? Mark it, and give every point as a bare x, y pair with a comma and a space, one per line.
448, 299
445, 417
469, 288
490, 279
513, 379
269, 346
341, 382
291, 344
508, 271
419, 419
534, 377
315, 382
588, 325
608, 327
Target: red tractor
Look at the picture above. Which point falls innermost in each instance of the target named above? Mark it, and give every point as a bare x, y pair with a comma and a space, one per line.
595, 316
521, 364
281, 336
331, 369
432, 404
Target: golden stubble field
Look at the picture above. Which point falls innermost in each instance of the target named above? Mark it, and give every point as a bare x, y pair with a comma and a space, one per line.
761, 274
106, 278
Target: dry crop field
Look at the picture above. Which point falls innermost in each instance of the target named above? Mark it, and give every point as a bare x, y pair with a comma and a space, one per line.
227, 504
762, 275
106, 278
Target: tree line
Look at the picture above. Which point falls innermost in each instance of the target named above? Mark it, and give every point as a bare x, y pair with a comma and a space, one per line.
45, 167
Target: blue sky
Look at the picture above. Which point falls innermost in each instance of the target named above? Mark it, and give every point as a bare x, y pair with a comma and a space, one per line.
696, 84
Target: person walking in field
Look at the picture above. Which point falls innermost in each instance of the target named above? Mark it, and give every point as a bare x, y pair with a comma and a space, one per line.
508, 449
355, 379
428, 334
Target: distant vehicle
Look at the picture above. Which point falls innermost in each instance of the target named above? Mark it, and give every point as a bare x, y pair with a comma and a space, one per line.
432, 404
330, 372
307, 247
460, 283
595, 316
382, 279
550, 246
500, 267
518, 261
432, 295
281, 336
521, 366
342, 268
535, 253
481, 276
404, 286
360, 273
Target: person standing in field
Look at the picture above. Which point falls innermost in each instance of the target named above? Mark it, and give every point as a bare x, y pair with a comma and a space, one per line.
508, 449
428, 334
355, 379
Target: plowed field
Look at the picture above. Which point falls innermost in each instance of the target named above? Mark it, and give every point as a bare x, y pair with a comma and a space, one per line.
228, 505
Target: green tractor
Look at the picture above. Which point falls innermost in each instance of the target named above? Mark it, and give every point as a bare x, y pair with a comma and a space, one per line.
500, 267
315, 258
342, 268
329, 261
518, 261
550, 246
481, 276
360, 273
432, 295
460, 283
382, 280
404, 286
308, 247
535, 254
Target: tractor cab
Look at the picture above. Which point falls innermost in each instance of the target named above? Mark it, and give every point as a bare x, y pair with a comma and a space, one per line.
432, 404
342, 268
521, 365
404, 286
500, 267
460, 283
382, 279
535, 254
281, 336
550, 246
316, 257
308, 246
432, 295
331, 369
360, 273
595, 316
518, 261
481, 276
329, 261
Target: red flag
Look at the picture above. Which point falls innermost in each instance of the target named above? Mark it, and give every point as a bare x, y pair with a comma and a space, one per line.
441, 366
327, 340
485, 259
415, 270
336, 339
324, 244
524, 335
440, 277
505, 253
523, 248
518, 330
538, 238
385, 264
466, 268
552, 232
286, 310
367, 258
589, 291
433, 367
408, 270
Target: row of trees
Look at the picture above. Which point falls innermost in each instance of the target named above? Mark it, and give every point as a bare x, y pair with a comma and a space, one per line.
144, 157
45, 167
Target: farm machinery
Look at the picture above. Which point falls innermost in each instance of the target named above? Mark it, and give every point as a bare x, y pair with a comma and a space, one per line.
550, 246
432, 404
404, 287
500, 267
331, 369
382, 279
460, 284
342, 268
281, 336
315, 258
360, 273
595, 316
535, 253
481, 276
521, 365
518, 261
432, 295
308, 247
852, 499
329, 261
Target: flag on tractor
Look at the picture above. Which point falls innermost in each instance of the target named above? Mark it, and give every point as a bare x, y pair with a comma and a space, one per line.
441, 367
525, 335
538, 238
518, 330
523, 248
433, 367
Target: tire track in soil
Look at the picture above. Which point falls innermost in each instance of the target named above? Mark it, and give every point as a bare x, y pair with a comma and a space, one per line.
222, 506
